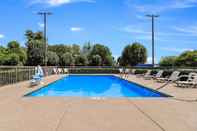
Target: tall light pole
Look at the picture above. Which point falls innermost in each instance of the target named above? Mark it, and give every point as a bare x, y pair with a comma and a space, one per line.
45, 14
153, 36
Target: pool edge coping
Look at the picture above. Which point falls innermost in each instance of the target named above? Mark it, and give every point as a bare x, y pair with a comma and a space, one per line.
165, 95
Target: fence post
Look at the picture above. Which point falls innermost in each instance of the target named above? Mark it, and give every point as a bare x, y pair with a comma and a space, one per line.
16, 70
29, 72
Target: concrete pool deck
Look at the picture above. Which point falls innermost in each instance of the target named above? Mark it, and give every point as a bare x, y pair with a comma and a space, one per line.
18, 113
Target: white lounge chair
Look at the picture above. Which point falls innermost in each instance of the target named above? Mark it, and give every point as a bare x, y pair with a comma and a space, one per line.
66, 71
132, 71
127, 72
55, 71
174, 76
37, 78
158, 75
60, 71
121, 71
189, 77
192, 83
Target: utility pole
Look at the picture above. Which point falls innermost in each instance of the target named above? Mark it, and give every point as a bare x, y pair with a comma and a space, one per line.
45, 14
153, 36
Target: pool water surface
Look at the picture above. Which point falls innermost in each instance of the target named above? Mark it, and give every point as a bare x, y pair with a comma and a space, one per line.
95, 86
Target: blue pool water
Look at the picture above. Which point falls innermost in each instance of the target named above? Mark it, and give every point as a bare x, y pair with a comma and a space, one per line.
95, 86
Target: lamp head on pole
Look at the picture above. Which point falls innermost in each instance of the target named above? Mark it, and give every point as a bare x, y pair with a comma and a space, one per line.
44, 13
149, 15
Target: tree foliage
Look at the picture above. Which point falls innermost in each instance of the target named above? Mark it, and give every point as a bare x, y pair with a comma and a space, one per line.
52, 59
60, 49
12, 59
81, 60
67, 59
96, 60
133, 54
168, 61
14, 47
35, 48
13, 54
186, 59
101, 53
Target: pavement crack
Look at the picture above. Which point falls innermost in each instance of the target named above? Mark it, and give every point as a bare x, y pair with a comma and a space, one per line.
61, 118
146, 115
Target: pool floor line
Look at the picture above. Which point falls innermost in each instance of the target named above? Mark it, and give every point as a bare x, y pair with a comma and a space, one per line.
146, 115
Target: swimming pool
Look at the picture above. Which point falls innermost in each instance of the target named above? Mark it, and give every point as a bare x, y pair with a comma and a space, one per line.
95, 86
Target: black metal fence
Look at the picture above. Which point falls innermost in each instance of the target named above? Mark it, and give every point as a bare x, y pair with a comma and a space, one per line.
10, 75
14, 74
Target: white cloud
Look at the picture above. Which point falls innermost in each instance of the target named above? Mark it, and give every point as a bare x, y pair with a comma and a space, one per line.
143, 32
161, 5
189, 30
59, 2
41, 25
76, 29
135, 30
1, 36
178, 50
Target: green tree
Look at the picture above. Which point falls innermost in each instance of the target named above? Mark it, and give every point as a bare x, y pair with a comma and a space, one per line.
35, 48
36, 57
75, 49
67, 59
103, 52
3, 53
96, 60
188, 58
14, 47
168, 61
12, 59
133, 54
81, 60
60, 49
52, 58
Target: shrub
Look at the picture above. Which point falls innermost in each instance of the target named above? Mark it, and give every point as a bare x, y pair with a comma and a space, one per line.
154, 72
140, 71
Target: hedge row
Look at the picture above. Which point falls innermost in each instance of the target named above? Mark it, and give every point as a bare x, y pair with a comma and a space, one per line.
94, 71
116, 71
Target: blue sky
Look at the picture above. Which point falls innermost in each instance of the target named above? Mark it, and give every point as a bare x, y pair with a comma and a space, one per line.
114, 23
